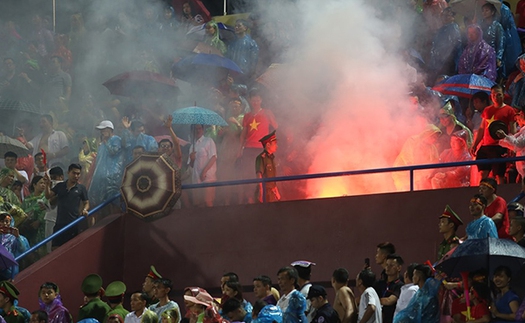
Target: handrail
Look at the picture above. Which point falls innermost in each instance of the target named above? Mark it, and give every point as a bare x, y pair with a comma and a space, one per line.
78, 220
410, 168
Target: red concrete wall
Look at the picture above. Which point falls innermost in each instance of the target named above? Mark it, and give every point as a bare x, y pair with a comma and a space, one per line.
195, 247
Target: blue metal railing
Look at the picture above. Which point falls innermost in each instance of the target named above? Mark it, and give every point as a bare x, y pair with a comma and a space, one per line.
410, 169
72, 224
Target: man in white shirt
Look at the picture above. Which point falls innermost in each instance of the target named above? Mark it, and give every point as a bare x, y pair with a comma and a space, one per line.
138, 307
408, 290
54, 143
370, 305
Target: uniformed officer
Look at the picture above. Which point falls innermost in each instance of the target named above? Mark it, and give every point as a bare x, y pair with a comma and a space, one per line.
449, 222
148, 286
115, 295
94, 307
324, 313
265, 168
8, 294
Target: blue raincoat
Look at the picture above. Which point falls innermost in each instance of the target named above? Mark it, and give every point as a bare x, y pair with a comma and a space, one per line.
424, 305
107, 176
148, 142
512, 43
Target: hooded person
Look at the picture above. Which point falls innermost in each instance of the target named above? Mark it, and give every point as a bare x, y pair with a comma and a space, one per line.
418, 149
515, 142
7, 178
109, 165
212, 37
478, 57
51, 302
454, 176
449, 124
517, 88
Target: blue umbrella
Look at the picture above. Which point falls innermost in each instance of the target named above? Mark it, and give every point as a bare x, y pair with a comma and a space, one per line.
487, 253
464, 85
197, 115
204, 66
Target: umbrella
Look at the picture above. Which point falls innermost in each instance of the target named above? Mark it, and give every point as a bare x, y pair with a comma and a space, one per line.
151, 186
13, 111
204, 67
6, 258
140, 83
18, 106
10, 144
197, 115
487, 253
470, 8
464, 85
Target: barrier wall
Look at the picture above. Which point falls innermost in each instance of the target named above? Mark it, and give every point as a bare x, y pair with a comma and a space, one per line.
195, 247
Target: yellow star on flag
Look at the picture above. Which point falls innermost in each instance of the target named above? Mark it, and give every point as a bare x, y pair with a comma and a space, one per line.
491, 120
254, 125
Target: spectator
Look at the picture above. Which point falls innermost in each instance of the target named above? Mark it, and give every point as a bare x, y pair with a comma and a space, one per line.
265, 168
292, 302
51, 302
369, 304
10, 162
446, 46
38, 317
70, 194
517, 229
453, 176
53, 143
109, 165
7, 178
235, 312
304, 271
515, 142
170, 316
480, 100
138, 308
506, 302
262, 289
324, 312
15, 85
188, 18
212, 37
408, 290
56, 175
162, 289
244, 50
13, 242
482, 226
233, 289
494, 35
496, 208
57, 88
449, 124
516, 89
490, 149
40, 168
424, 305
479, 295
136, 137
42, 37
477, 57
390, 294
344, 302
35, 206
203, 161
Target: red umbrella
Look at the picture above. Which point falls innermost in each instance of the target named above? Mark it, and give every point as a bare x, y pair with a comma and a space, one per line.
151, 186
140, 83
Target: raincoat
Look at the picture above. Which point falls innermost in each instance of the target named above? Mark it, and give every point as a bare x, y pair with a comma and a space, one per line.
516, 142
107, 176
214, 40
478, 57
148, 142
516, 89
15, 246
416, 151
245, 53
56, 311
31, 207
446, 49
512, 39
494, 35
424, 306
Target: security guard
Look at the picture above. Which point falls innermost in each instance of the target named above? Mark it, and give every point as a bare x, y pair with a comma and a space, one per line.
95, 307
